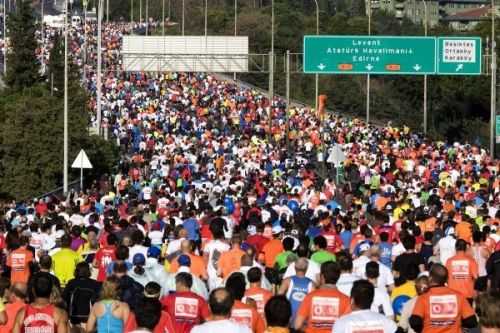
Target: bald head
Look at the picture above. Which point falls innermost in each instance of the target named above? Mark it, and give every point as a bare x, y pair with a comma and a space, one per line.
221, 302
301, 265
183, 233
438, 275
186, 246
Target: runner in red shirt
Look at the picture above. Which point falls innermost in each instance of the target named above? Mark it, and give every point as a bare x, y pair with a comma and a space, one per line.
333, 241
105, 256
256, 237
186, 308
41, 316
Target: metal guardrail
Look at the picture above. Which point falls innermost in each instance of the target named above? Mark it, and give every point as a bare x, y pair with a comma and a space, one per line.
58, 192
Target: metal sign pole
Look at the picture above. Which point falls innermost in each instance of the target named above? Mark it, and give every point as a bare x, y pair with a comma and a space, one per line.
99, 64
368, 75
493, 81
287, 114
425, 76
65, 134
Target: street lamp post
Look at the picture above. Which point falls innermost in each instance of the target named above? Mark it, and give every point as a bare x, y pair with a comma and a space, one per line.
493, 81
235, 26
99, 64
271, 73
43, 37
5, 37
131, 11
316, 78
65, 135
183, 8
425, 76
163, 18
368, 75
147, 17
84, 62
206, 19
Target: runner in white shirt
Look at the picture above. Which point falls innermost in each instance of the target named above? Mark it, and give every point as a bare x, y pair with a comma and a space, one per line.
359, 264
446, 245
381, 301
220, 302
212, 251
347, 278
362, 319
313, 271
137, 239
175, 245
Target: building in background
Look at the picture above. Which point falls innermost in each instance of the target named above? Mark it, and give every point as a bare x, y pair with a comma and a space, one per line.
461, 15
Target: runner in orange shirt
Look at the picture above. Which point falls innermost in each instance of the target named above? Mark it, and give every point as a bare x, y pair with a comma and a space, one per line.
272, 248
243, 313
230, 261
255, 291
441, 309
198, 267
463, 230
18, 294
19, 262
463, 271
322, 307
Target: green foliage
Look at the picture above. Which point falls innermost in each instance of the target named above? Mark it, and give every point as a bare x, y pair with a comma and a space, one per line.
23, 70
31, 133
31, 137
31, 142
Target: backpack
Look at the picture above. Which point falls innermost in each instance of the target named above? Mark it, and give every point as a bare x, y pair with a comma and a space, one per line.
80, 303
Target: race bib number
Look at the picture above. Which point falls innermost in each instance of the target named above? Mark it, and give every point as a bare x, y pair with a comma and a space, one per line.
460, 269
186, 307
443, 306
18, 261
242, 316
369, 326
106, 261
259, 299
330, 241
325, 309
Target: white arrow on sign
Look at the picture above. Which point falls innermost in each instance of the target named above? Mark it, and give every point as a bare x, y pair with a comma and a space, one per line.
417, 68
369, 67
321, 67
459, 67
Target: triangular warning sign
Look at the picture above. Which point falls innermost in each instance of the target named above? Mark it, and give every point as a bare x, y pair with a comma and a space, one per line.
81, 161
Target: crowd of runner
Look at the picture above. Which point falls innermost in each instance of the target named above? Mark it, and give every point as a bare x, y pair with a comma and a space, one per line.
215, 222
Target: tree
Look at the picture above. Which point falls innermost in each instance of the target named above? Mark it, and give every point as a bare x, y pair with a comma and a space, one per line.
31, 134
31, 141
56, 65
24, 69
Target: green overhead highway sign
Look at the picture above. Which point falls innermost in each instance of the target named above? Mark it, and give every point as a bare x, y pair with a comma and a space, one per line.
369, 55
459, 55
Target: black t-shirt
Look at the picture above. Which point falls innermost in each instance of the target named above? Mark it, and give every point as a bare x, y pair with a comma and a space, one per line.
403, 263
80, 294
426, 252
